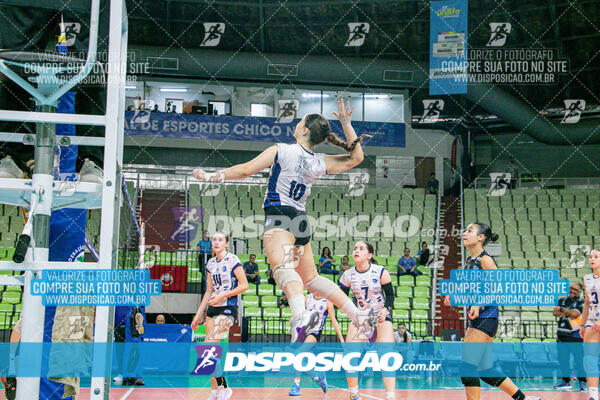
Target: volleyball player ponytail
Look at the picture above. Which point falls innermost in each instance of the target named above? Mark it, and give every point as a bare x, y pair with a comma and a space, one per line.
486, 231
320, 130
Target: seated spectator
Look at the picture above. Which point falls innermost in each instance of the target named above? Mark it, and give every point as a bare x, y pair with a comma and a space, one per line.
402, 335
345, 264
251, 270
326, 262
423, 254
407, 265
160, 319
282, 301
155, 109
433, 184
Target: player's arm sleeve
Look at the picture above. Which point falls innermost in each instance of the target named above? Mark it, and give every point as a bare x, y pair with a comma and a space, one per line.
344, 284
320, 168
389, 295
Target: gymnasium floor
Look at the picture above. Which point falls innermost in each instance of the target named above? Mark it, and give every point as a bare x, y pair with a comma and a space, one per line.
414, 389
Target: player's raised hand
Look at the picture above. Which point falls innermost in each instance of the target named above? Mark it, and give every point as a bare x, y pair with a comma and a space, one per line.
344, 114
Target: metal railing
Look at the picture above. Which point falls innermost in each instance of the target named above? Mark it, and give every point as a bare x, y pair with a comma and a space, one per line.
544, 183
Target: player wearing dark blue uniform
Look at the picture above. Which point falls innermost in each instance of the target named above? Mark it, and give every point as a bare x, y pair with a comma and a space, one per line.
483, 324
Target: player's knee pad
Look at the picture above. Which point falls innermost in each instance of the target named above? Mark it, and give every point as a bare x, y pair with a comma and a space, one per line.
492, 377
469, 375
590, 364
285, 274
321, 286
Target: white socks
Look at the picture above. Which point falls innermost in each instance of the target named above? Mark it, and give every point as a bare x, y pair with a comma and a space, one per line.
297, 381
390, 396
297, 305
353, 390
593, 391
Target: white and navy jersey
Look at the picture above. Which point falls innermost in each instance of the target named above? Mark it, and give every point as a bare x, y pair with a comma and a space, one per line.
223, 278
320, 306
592, 291
294, 171
366, 286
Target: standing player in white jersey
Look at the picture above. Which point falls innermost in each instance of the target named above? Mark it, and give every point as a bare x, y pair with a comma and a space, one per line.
325, 308
590, 324
226, 281
371, 285
294, 168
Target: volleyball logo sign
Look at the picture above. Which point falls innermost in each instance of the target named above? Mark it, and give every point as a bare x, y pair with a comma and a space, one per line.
72, 29
499, 183
208, 358
288, 109
213, 31
358, 183
151, 252
68, 184
432, 109
187, 220
573, 110
578, 254
358, 33
142, 111
499, 33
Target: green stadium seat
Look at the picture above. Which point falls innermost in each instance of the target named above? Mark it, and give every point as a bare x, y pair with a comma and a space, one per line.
252, 312
421, 303
420, 291
11, 297
401, 302
423, 281
286, 312
404, 291
272, 312
265, 289
407, 280
250, 300
401, 313
268, 301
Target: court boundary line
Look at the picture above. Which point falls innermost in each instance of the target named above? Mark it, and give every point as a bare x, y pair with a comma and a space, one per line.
361, 394
126, 395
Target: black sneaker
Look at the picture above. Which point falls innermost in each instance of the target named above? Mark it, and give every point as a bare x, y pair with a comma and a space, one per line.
563, 386
10, 391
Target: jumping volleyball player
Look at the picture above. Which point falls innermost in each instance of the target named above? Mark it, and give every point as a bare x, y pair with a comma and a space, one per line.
590, 324
325, 308
483, 324
294, 168
226, 280
371, 285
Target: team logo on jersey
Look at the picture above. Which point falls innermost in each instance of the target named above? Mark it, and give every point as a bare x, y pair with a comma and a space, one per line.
213, 31
432, 109
268, 221
358, 181
358, 33
573, 110
224, 268
578, 255
208, 358
288, 110
499, 183
499, 33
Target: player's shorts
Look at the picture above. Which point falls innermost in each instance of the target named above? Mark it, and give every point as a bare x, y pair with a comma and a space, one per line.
228, 311
316, 334
489, 326
290, 219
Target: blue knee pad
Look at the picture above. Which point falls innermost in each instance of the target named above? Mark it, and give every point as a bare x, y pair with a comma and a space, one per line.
590, 364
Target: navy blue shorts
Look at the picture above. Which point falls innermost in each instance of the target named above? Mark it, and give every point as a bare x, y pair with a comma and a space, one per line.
489, 326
